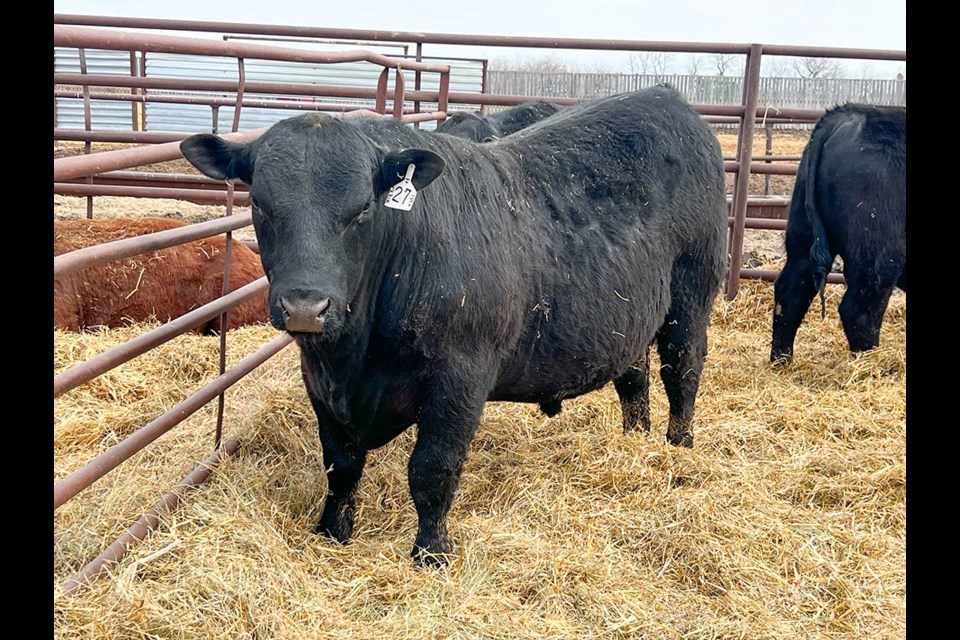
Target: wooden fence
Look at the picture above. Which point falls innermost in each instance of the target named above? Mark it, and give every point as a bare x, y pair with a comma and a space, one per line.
801, 93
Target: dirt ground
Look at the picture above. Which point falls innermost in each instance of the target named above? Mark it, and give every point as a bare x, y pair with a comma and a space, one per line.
759, 247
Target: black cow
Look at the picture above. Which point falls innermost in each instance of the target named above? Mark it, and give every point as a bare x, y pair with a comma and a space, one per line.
486, 128
530, 269
849, 200
469, 126
514, 119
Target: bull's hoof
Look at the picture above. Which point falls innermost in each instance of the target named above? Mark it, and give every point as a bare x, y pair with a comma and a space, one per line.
680, 432
551, 408
434, 556
331, 535
635, 419
780, 358
778, 362
681, 440
339, 530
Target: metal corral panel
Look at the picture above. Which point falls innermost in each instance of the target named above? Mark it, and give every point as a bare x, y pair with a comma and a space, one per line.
466, 75
105, 114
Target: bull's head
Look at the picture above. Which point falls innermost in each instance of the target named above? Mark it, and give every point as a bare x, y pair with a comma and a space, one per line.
469, 126
317, 186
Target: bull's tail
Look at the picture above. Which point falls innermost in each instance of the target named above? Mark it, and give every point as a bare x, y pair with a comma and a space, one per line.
820, 257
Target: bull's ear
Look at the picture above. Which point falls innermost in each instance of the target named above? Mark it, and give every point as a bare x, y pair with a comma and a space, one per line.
394, 168
217, 158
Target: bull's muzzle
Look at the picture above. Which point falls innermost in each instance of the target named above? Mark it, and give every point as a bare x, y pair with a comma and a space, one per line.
303, 314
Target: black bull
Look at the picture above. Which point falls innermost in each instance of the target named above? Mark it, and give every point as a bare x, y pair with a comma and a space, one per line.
486, 128
531, 269
849, 200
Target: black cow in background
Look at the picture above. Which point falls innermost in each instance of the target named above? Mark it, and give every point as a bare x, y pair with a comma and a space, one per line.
533, 268
849, 200
471, 126
514, 119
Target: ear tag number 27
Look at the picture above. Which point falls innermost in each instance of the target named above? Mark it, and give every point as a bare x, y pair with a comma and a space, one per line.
402, 195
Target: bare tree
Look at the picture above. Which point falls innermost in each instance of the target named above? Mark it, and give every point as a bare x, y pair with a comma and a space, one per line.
867, 71
545, 64
694, 64
591, 67
723, 62
648, 63
777, 67
818, 68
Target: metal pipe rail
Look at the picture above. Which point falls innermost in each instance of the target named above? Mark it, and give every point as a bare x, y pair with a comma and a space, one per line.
455, 97
82, 478
67, 263
149, 520
278, 103
131, 137
88, 165
769, 275
199, 196
463, 39
155, 178
87, 370
64, 36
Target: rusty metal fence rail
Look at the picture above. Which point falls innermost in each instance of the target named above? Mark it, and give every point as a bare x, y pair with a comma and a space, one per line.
107, 173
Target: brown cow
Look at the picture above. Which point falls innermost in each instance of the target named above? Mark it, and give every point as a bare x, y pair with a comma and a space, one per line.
163, 284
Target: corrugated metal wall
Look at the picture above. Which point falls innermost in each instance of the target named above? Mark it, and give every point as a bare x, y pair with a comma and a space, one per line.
104, 114
465, 75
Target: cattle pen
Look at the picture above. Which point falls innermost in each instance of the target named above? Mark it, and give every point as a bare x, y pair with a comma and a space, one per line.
87, 372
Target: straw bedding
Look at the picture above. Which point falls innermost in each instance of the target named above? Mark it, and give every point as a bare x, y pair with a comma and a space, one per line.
787, 520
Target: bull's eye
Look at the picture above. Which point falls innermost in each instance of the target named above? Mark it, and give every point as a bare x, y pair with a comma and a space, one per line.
364, 214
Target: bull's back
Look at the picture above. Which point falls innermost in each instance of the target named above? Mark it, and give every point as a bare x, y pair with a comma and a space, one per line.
632, 159
163, 284
625, 190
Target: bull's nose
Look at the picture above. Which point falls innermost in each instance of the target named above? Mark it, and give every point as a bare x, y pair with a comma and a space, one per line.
304, 315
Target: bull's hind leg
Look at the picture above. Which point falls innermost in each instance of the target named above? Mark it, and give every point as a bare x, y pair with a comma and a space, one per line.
551, 407
682, 344
792, 294
864, 303
902, 280
682, 340
633, 387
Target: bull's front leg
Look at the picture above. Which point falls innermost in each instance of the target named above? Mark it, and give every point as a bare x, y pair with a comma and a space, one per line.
448, 421
344, 461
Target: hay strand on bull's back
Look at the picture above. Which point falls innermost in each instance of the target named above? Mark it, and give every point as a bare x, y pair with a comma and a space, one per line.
787, 519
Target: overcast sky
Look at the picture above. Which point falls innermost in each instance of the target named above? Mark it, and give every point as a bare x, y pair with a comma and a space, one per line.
875, 24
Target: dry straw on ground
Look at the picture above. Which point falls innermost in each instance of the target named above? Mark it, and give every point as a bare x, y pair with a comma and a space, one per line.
787, 520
